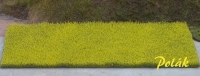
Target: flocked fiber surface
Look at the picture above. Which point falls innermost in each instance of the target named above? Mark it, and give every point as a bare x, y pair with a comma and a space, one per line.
97, 44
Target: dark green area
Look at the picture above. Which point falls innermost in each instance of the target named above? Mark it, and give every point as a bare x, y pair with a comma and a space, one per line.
112, 10
105, 10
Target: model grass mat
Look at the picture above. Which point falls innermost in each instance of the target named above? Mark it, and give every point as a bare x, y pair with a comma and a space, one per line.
99, 44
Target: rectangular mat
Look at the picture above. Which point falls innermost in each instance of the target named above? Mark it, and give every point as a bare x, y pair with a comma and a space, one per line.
98, 44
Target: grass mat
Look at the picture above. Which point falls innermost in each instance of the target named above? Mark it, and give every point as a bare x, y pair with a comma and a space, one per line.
98, 44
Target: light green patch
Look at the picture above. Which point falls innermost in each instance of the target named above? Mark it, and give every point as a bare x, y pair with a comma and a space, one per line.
97, 44
196, 33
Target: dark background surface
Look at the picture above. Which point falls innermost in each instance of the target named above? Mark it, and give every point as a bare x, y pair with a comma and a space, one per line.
36, 11
105, 10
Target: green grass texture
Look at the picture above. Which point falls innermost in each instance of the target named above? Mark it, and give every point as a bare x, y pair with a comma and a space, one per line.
97, 44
